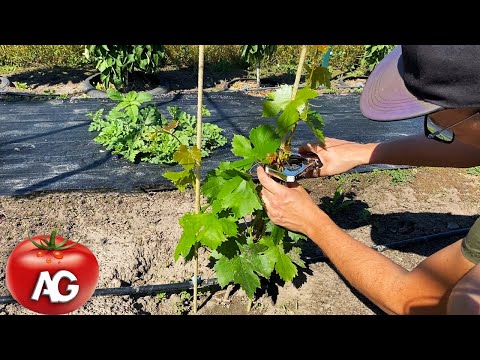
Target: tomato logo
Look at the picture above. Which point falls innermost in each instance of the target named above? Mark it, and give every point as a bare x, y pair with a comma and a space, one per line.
56, 276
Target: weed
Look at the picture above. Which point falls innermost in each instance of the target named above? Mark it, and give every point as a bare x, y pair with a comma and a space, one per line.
336, 204
474, 171
20, 85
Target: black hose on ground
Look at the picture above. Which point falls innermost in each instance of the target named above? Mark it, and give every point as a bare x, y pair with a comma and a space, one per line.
187, 285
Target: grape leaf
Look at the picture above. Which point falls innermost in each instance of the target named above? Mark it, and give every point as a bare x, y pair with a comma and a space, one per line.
294, 255
239, 195
320, 76
188, 159
241, 146
290, 116
277, 101
224, 269
260, 263
205, 228
243, 268
315, 122
245, 276
283, 264
181, 179
295, 237
264, 141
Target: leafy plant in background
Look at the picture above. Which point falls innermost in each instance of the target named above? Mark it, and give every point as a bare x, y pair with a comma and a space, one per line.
255, 54
233, 226
374, 54
116, 62
143, 133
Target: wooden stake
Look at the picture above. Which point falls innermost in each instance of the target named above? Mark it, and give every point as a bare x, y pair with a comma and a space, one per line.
199, 167
303, 53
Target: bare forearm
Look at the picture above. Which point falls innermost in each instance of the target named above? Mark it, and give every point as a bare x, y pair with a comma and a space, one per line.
368, 271
424, 290
417, 150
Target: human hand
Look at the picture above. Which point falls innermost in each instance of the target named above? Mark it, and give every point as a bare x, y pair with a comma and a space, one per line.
290, 207
337, 156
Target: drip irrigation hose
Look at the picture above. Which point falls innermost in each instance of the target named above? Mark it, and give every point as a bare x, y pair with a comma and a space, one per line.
342, 85
188, 285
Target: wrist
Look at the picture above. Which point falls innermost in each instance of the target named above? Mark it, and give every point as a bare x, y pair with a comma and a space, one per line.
366, 154
317, 220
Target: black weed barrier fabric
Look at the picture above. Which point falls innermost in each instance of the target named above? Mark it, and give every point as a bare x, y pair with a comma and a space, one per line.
46, 145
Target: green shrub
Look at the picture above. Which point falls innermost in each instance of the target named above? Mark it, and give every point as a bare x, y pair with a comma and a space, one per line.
45, 55
374, 54
346, 58
116, 62
145, 134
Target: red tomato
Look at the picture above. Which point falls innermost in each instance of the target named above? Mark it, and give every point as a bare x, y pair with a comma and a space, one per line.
55, 292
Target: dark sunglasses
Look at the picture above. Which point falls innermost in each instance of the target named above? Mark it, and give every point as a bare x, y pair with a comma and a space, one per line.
435, 132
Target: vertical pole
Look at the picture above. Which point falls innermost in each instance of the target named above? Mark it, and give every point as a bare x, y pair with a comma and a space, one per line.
198, 168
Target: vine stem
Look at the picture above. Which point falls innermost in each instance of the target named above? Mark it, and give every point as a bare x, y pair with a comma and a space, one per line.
249, 305
201, 49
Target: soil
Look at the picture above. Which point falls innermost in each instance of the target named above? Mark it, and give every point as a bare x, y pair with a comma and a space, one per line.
133, 236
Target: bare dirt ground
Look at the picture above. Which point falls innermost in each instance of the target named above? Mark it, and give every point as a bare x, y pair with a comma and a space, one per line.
133, 236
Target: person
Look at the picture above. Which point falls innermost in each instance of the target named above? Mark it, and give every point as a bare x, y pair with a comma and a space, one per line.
441, 84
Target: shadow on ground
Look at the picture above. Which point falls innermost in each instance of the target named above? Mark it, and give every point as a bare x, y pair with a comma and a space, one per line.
51, 76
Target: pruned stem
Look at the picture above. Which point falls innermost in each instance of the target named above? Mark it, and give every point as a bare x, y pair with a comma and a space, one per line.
199, 167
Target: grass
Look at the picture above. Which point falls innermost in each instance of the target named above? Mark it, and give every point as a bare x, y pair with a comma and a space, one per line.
398, 176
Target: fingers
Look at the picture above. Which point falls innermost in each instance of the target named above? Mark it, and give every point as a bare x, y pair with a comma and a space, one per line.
307, 148
268, 183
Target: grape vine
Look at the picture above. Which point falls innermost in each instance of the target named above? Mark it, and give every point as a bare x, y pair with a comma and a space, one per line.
233, 226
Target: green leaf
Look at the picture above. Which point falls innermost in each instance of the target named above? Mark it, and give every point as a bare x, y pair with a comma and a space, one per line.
263, 141
305, 94
239, 195
181, 179
283, 263
241, 146
143, 97
205, 228
225, 270
294, 255
277, 101
315, 122
284, 266
114, 95
295, 237
187, 157
320, 76
213, 185
287, 119
261, 263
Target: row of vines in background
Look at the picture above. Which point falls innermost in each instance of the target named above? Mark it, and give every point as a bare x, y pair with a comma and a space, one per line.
217, 57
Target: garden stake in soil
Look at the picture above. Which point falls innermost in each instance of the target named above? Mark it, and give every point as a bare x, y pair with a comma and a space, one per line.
199, 166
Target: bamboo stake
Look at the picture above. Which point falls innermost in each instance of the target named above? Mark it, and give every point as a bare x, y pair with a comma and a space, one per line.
198, 168
303, 53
